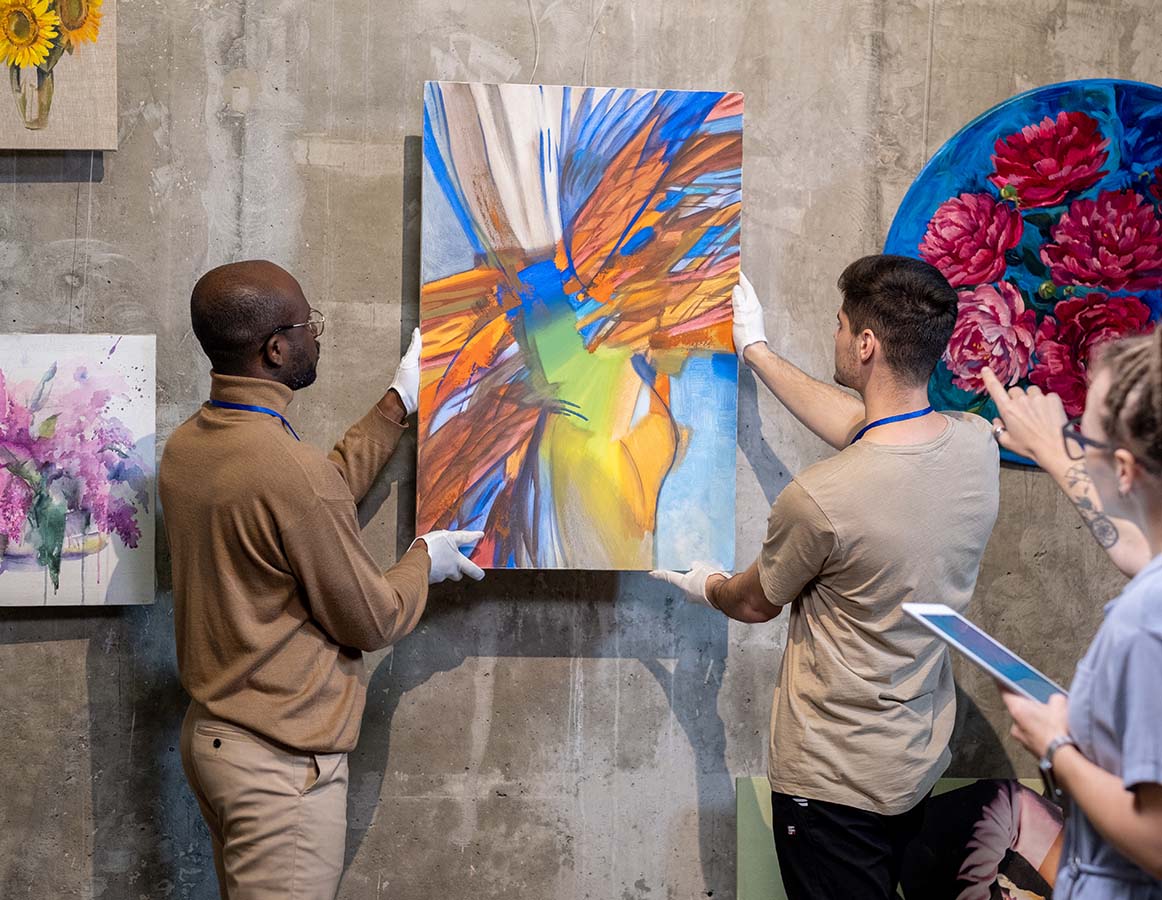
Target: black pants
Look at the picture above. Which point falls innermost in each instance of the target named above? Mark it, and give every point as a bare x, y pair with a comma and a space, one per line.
833, 852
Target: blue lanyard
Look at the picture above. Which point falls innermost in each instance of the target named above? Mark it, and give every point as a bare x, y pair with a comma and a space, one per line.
915, 414
258, 409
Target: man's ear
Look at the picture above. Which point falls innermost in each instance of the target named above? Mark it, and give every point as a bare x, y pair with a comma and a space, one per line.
274, 351
867, 345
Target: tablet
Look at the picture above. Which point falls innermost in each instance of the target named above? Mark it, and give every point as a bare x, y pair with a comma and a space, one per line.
991, 655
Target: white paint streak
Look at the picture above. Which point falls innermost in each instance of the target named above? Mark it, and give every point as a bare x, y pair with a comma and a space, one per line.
483, 690
357, 158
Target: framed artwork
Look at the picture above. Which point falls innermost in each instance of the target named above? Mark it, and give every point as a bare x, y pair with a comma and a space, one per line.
60, 58
1044, 214
578, 382
77, 471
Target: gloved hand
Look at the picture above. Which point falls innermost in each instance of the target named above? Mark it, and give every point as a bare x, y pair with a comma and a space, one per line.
692, 583
448, 563
748, 316
407, 376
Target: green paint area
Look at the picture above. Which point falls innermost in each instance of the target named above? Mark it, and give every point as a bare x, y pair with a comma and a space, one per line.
47, 517
588, 382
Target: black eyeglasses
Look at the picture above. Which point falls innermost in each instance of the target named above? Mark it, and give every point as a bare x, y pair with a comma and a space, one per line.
315, 322
1076, 442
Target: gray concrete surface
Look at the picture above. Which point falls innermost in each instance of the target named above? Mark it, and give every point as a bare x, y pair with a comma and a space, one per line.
544, 735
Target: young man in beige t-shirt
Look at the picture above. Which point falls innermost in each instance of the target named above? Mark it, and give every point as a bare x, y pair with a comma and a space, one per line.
864, 703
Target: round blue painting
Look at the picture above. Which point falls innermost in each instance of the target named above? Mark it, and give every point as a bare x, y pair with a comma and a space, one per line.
1044, 214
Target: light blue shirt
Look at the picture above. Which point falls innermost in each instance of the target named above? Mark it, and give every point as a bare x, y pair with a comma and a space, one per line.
1115, 715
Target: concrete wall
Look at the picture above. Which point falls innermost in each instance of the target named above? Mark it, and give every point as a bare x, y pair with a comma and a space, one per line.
543, 735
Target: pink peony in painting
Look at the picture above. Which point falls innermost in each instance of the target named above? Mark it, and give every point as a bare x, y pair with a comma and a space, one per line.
1045, 213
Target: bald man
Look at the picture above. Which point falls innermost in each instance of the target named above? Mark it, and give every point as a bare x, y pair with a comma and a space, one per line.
275, 595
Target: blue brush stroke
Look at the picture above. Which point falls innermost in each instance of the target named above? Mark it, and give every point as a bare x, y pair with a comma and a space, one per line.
447, 249
637, 240
647, 373
438, 155
695, 513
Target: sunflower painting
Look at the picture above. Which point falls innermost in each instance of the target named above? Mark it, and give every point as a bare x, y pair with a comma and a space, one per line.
61, 63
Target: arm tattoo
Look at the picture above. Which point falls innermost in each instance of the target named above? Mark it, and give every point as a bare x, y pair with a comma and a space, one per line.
1080, 489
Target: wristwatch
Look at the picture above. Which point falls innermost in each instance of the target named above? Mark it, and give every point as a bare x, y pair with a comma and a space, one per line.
1046, 765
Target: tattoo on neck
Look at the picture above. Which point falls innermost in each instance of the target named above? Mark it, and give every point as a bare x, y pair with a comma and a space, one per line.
1081, 491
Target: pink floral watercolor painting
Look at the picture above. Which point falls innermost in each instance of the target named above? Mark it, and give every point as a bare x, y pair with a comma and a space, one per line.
1045, 213
77, 469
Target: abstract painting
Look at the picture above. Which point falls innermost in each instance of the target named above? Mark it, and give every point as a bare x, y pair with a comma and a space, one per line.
77, 435
578, 388
61, 62
1045, 213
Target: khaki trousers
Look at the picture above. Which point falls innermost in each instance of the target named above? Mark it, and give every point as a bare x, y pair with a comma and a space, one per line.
277, 817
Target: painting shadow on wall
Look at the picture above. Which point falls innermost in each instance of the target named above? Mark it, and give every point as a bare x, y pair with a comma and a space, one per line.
52, 166
141, 822
768, 468
521, 614
571, 615
976, 746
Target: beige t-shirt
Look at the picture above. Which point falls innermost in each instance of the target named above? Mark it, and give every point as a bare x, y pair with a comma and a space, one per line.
864, 705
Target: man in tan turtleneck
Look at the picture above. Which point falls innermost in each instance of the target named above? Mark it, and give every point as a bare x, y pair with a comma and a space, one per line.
275, 594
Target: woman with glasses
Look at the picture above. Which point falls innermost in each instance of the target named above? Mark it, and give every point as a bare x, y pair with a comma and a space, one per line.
1103, 747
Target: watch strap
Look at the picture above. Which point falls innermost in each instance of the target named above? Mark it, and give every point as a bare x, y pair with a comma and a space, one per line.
1062, 740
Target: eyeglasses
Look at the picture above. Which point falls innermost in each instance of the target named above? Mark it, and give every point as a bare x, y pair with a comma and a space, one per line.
1076, 442
315, 322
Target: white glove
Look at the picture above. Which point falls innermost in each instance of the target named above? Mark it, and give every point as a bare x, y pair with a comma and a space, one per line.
407, 376
692, 583
448, 563
748, 316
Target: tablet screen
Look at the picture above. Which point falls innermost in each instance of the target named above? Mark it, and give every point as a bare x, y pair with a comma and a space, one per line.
994, 656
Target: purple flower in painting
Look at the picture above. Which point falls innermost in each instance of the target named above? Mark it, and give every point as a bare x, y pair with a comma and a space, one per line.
994, 329
1040, 164
968, 237
15, 502
63, 456
1113, 242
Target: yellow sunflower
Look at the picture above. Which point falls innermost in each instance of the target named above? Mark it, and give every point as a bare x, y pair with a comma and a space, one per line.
27, 31
80, 20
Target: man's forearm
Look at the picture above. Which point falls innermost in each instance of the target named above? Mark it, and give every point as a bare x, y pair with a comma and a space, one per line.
832, 413
741, 597
369, 444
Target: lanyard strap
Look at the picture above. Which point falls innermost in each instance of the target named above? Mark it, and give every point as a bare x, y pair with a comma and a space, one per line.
914, 414
245, 407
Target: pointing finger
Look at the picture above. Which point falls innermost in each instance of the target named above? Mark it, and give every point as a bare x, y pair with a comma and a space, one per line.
995, 388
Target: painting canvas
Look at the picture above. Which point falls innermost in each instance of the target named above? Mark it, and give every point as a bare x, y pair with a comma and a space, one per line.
60, 89
578, 382
1045, 213
77, 472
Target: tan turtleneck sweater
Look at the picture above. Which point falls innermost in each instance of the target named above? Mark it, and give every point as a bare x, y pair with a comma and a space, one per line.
275, 594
